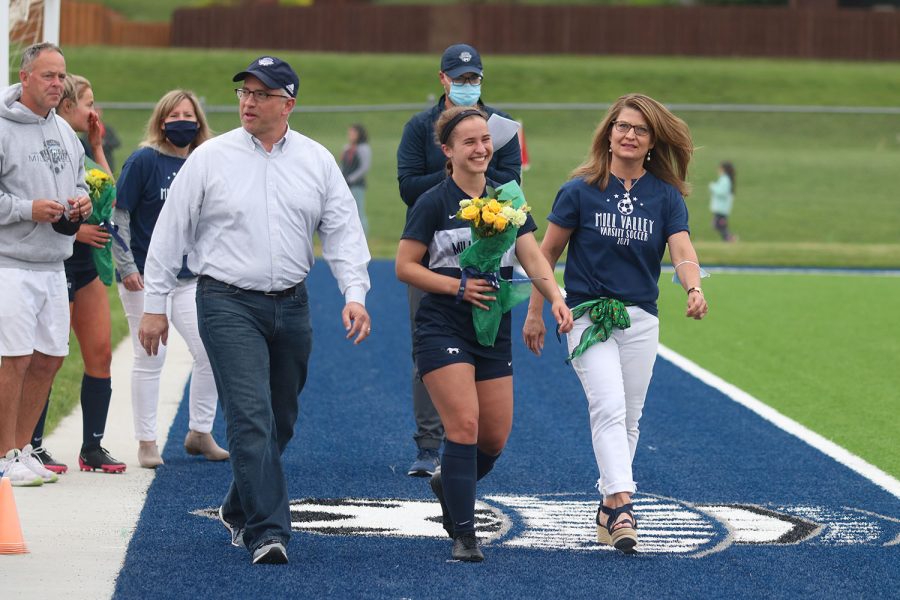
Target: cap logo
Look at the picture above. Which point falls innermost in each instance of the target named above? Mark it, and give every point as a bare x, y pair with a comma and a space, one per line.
289, 87
266, 62
465, 57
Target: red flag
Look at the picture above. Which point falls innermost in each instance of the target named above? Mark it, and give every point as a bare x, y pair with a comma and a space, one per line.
525, 164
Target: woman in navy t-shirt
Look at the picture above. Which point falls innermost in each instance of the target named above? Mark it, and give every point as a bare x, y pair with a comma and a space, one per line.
617, 214
470, 384
176, 127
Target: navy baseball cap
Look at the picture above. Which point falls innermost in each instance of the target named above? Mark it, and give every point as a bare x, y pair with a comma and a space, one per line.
459, 59
274, 73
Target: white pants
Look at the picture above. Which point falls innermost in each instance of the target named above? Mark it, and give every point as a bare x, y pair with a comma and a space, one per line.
181, 308
615, 375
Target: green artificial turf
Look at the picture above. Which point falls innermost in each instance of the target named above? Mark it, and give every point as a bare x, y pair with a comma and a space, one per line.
821, 349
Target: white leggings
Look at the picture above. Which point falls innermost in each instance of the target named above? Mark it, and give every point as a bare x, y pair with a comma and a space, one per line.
181, 308
615, 375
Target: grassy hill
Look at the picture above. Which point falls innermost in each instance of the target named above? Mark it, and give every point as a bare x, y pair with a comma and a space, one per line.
813, 189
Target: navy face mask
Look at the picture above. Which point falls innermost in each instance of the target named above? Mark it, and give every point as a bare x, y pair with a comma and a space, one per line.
181, 133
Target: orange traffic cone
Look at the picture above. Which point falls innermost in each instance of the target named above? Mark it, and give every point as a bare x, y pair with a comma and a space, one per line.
11, 541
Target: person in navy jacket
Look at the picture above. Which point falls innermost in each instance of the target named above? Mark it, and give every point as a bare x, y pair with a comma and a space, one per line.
420, 166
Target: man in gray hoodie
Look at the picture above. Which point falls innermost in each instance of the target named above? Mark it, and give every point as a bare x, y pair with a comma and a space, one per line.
43, 199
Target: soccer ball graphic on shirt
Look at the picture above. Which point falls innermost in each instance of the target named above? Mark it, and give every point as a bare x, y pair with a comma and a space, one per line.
625, 206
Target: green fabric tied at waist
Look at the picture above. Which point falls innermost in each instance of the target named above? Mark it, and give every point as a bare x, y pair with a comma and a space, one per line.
606, 314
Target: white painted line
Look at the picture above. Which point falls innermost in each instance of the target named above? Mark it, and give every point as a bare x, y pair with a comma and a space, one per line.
78, 529
827, 447
849, 271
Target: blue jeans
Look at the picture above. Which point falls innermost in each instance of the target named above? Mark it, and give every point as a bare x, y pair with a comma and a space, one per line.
258, 346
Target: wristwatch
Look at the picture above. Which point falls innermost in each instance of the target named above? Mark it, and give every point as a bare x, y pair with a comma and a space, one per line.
695, 289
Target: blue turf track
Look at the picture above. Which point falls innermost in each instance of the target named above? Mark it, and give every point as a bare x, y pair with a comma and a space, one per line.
353, 441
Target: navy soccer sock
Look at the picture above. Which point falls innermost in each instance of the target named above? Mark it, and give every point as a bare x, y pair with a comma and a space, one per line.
95, 396
485, 464
458, 472
37, 437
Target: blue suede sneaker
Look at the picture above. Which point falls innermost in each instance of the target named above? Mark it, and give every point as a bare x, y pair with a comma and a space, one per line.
426, 462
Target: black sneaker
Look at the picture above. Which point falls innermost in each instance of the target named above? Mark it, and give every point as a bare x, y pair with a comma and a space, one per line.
437, 487
270, 552
92, 459
43, 455
465, 548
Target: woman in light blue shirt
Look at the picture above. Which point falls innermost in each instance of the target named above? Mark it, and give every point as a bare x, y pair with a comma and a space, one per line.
722, 199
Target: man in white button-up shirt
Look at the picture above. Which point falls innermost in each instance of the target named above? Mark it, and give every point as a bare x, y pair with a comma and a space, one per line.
244, 208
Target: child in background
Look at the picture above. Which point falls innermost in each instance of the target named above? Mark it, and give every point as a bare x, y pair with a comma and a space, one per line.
722, 199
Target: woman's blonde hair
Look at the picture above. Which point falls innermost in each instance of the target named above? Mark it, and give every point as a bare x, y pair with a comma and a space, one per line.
73, 88
450, 118
155, 136
669, 135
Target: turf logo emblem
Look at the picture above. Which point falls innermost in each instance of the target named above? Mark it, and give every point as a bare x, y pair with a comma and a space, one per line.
386, 517
565, 522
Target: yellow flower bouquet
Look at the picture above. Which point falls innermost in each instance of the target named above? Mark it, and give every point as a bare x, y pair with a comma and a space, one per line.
97, 182
489, 216
102, 191
494, 221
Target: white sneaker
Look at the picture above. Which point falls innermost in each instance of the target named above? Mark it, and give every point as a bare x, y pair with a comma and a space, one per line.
28, 459
18, 474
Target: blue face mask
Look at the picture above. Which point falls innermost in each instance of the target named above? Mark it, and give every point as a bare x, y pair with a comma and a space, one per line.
181, 133
464, 94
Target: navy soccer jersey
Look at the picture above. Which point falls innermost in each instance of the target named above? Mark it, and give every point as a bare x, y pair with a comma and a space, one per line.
142, 189
432, 221
618, 238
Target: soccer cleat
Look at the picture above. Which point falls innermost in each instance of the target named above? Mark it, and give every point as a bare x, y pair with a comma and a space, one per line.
91, 459
51, 464
427, 460
465, 548
270, 552
18, 474
236, 532
27, 458
437, 486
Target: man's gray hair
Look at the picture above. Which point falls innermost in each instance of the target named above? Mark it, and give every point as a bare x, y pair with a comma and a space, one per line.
32, 52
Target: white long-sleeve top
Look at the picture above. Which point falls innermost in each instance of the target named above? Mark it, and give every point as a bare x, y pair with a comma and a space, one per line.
247, 217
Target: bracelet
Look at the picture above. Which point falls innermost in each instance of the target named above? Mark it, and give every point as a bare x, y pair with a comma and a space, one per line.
695, 289
690, 262
462, 288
